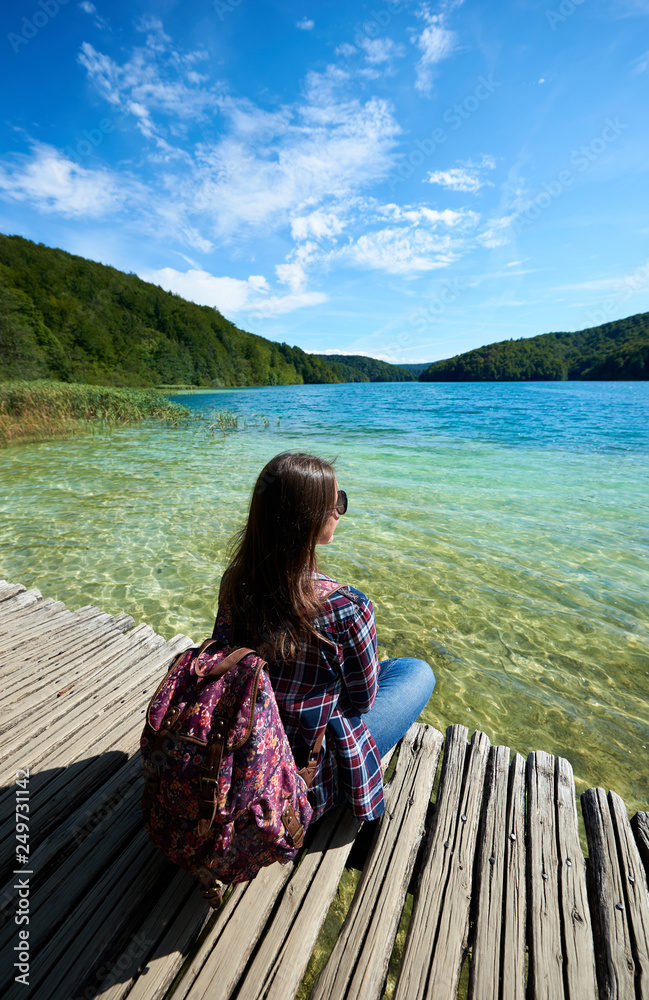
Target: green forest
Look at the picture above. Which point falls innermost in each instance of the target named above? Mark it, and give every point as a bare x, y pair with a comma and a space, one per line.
617, 350
66, 318
72, 320
358, 368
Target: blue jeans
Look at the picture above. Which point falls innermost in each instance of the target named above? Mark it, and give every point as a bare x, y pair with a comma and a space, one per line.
405, 685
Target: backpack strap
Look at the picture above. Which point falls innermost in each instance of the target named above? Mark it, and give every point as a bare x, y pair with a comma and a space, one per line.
292, 825
226, 664
210, 776
308, 771
209, 781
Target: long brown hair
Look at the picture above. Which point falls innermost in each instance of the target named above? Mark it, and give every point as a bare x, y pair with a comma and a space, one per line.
270, 582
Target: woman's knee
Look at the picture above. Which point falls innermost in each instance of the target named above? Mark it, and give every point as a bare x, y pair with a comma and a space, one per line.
423, 676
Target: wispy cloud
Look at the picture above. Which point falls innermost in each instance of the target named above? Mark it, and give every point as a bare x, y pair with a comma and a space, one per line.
230, 295
436, 42
300, 172
305, 24
468, 177
50, 182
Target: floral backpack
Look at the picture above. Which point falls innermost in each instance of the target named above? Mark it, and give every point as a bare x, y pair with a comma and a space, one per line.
223, 796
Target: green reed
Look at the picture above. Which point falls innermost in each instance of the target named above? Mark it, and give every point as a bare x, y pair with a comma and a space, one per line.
43, 409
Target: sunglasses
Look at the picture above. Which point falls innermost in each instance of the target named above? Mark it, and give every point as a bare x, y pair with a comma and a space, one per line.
341, 502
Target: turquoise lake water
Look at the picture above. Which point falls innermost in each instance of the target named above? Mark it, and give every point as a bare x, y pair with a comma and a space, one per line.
501, 530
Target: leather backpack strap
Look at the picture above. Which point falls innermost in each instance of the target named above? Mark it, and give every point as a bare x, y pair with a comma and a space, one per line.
292, 825
209, 782
226, 664
313, 760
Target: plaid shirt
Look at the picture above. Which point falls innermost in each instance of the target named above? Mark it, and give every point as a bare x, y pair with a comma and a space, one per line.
333, 684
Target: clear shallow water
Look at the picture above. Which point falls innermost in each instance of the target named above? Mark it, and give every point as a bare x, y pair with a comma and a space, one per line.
501, 530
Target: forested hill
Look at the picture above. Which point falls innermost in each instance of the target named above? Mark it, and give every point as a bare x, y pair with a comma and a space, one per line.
358, 368
618, 350
71, 319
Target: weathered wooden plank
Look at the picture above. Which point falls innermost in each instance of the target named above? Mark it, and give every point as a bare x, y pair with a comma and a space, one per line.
640, 826
438, 932
76, 868
224, 954
23, 600
545, 979
289, 939
485, 971
515, 912
105, 738
124, 622
79, 677
613, 948
105, 912
37, 682
72, 648
359, 961
9, 590
164, 963
577, 931
85, 712
114, 678
19, 630
635, 891
105, 806
56, 627
177, 917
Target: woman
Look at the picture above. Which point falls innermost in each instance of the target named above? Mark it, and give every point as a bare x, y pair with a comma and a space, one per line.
319, 638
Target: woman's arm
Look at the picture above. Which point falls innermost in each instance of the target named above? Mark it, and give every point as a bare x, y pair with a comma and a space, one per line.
360, 665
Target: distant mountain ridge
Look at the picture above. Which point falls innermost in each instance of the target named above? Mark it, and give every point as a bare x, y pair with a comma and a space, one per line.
355, 366
68, 318
613, 351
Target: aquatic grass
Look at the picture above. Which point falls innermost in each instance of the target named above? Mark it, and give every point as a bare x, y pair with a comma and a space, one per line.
224, 420
43, 409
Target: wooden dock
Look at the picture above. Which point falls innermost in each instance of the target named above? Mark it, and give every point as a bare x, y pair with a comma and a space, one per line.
494, 865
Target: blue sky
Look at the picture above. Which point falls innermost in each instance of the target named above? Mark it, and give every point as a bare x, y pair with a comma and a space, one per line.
402, 179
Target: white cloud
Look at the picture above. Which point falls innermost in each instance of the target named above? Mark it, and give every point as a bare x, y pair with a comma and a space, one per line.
266, 168
401, 251
154, 80
230, 295
436, 42
52, 183
467, 177
305, 24
88, 7
318, 224
457, 179
380, 50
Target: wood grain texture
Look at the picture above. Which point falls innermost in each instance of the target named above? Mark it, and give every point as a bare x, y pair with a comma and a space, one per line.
513, 982
635, 891
612, 934
545, 980
358, 965
579, 954
284, 954
485, 972
640, 826
156, 950
438, 932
